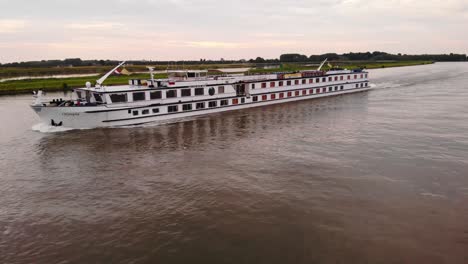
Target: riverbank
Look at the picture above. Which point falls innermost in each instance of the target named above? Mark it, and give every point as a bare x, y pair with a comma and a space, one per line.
63, 84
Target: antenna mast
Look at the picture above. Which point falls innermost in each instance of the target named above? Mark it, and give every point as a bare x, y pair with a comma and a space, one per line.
103, 78
321, 64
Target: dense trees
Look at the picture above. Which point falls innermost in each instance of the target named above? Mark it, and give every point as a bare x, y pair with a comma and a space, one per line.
377, 56
289, 57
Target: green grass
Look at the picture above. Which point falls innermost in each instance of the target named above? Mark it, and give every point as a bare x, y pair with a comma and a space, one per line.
10, 72
52, 84
377, 64
349, 65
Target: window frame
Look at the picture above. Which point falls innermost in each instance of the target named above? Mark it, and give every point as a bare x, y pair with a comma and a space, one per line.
157, 93
170, 92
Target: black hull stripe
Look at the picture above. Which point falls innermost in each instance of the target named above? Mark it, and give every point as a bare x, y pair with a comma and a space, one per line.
208, 108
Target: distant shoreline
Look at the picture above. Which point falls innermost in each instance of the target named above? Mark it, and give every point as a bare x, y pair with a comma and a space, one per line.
12, 87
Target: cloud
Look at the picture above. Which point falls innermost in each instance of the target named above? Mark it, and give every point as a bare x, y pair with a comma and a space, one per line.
12, 25
94, 26
188, 29
214, 44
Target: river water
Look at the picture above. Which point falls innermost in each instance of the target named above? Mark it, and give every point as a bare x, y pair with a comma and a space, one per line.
372, 177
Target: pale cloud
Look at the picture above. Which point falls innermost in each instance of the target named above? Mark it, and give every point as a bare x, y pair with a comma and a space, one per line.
214, 44
11, 25
94, 26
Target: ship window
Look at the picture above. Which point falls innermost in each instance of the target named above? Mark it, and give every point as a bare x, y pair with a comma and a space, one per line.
324, 79
366, 75
155, 110
330, 89
281, 95
200, 105
317, 80
297, 93
118, 98
289, 94
361, 76
311, 80
355, 76
311, 91
255, 99
336, 78
199, 91
98, 98
172, 108
349, 77
304, 81
273, 96
336, 88
235, 101
366, 84
212, 104
171, 94
264, 97
341, 87
129, 111
357, 85
224, 102
145, 112
296, 82
253, 85
242, 100
324, 90
263, 85
341, 77
288, 83
135, 113
155, 95
304, 92
220, 89
317, 91
186, 92
272, 84
330, 79
187, 107
280, 83
140, 96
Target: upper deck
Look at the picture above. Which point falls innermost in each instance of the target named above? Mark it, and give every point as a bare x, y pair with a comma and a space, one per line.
183, 79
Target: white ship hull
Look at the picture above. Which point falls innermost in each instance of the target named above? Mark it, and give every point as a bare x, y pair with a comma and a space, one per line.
103, 116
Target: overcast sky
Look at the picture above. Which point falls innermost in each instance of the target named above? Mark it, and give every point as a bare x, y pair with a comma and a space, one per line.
214, 29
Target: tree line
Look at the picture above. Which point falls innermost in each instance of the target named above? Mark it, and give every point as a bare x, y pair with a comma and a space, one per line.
371, 56
289, 57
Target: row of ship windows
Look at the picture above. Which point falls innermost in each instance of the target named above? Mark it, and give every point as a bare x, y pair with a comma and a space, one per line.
235, 101
312, 80
141, 96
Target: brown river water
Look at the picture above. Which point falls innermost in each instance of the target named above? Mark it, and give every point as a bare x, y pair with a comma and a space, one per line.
372, 177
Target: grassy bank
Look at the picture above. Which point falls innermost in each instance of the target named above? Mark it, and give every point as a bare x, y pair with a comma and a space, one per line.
11, 72
52, 84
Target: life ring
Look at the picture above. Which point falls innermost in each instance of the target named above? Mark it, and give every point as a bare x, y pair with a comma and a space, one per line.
211, 91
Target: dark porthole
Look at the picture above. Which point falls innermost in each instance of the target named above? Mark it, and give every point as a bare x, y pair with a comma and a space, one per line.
211, 91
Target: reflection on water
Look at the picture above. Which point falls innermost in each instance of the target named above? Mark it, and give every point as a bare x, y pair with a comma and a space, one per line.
373, 177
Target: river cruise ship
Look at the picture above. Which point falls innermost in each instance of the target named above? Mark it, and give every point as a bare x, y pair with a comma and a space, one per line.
187, 93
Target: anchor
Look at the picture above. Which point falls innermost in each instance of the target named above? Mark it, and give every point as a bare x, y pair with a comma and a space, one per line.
52, 122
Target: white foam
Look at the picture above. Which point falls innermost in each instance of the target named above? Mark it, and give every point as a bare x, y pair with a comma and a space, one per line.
45, 128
